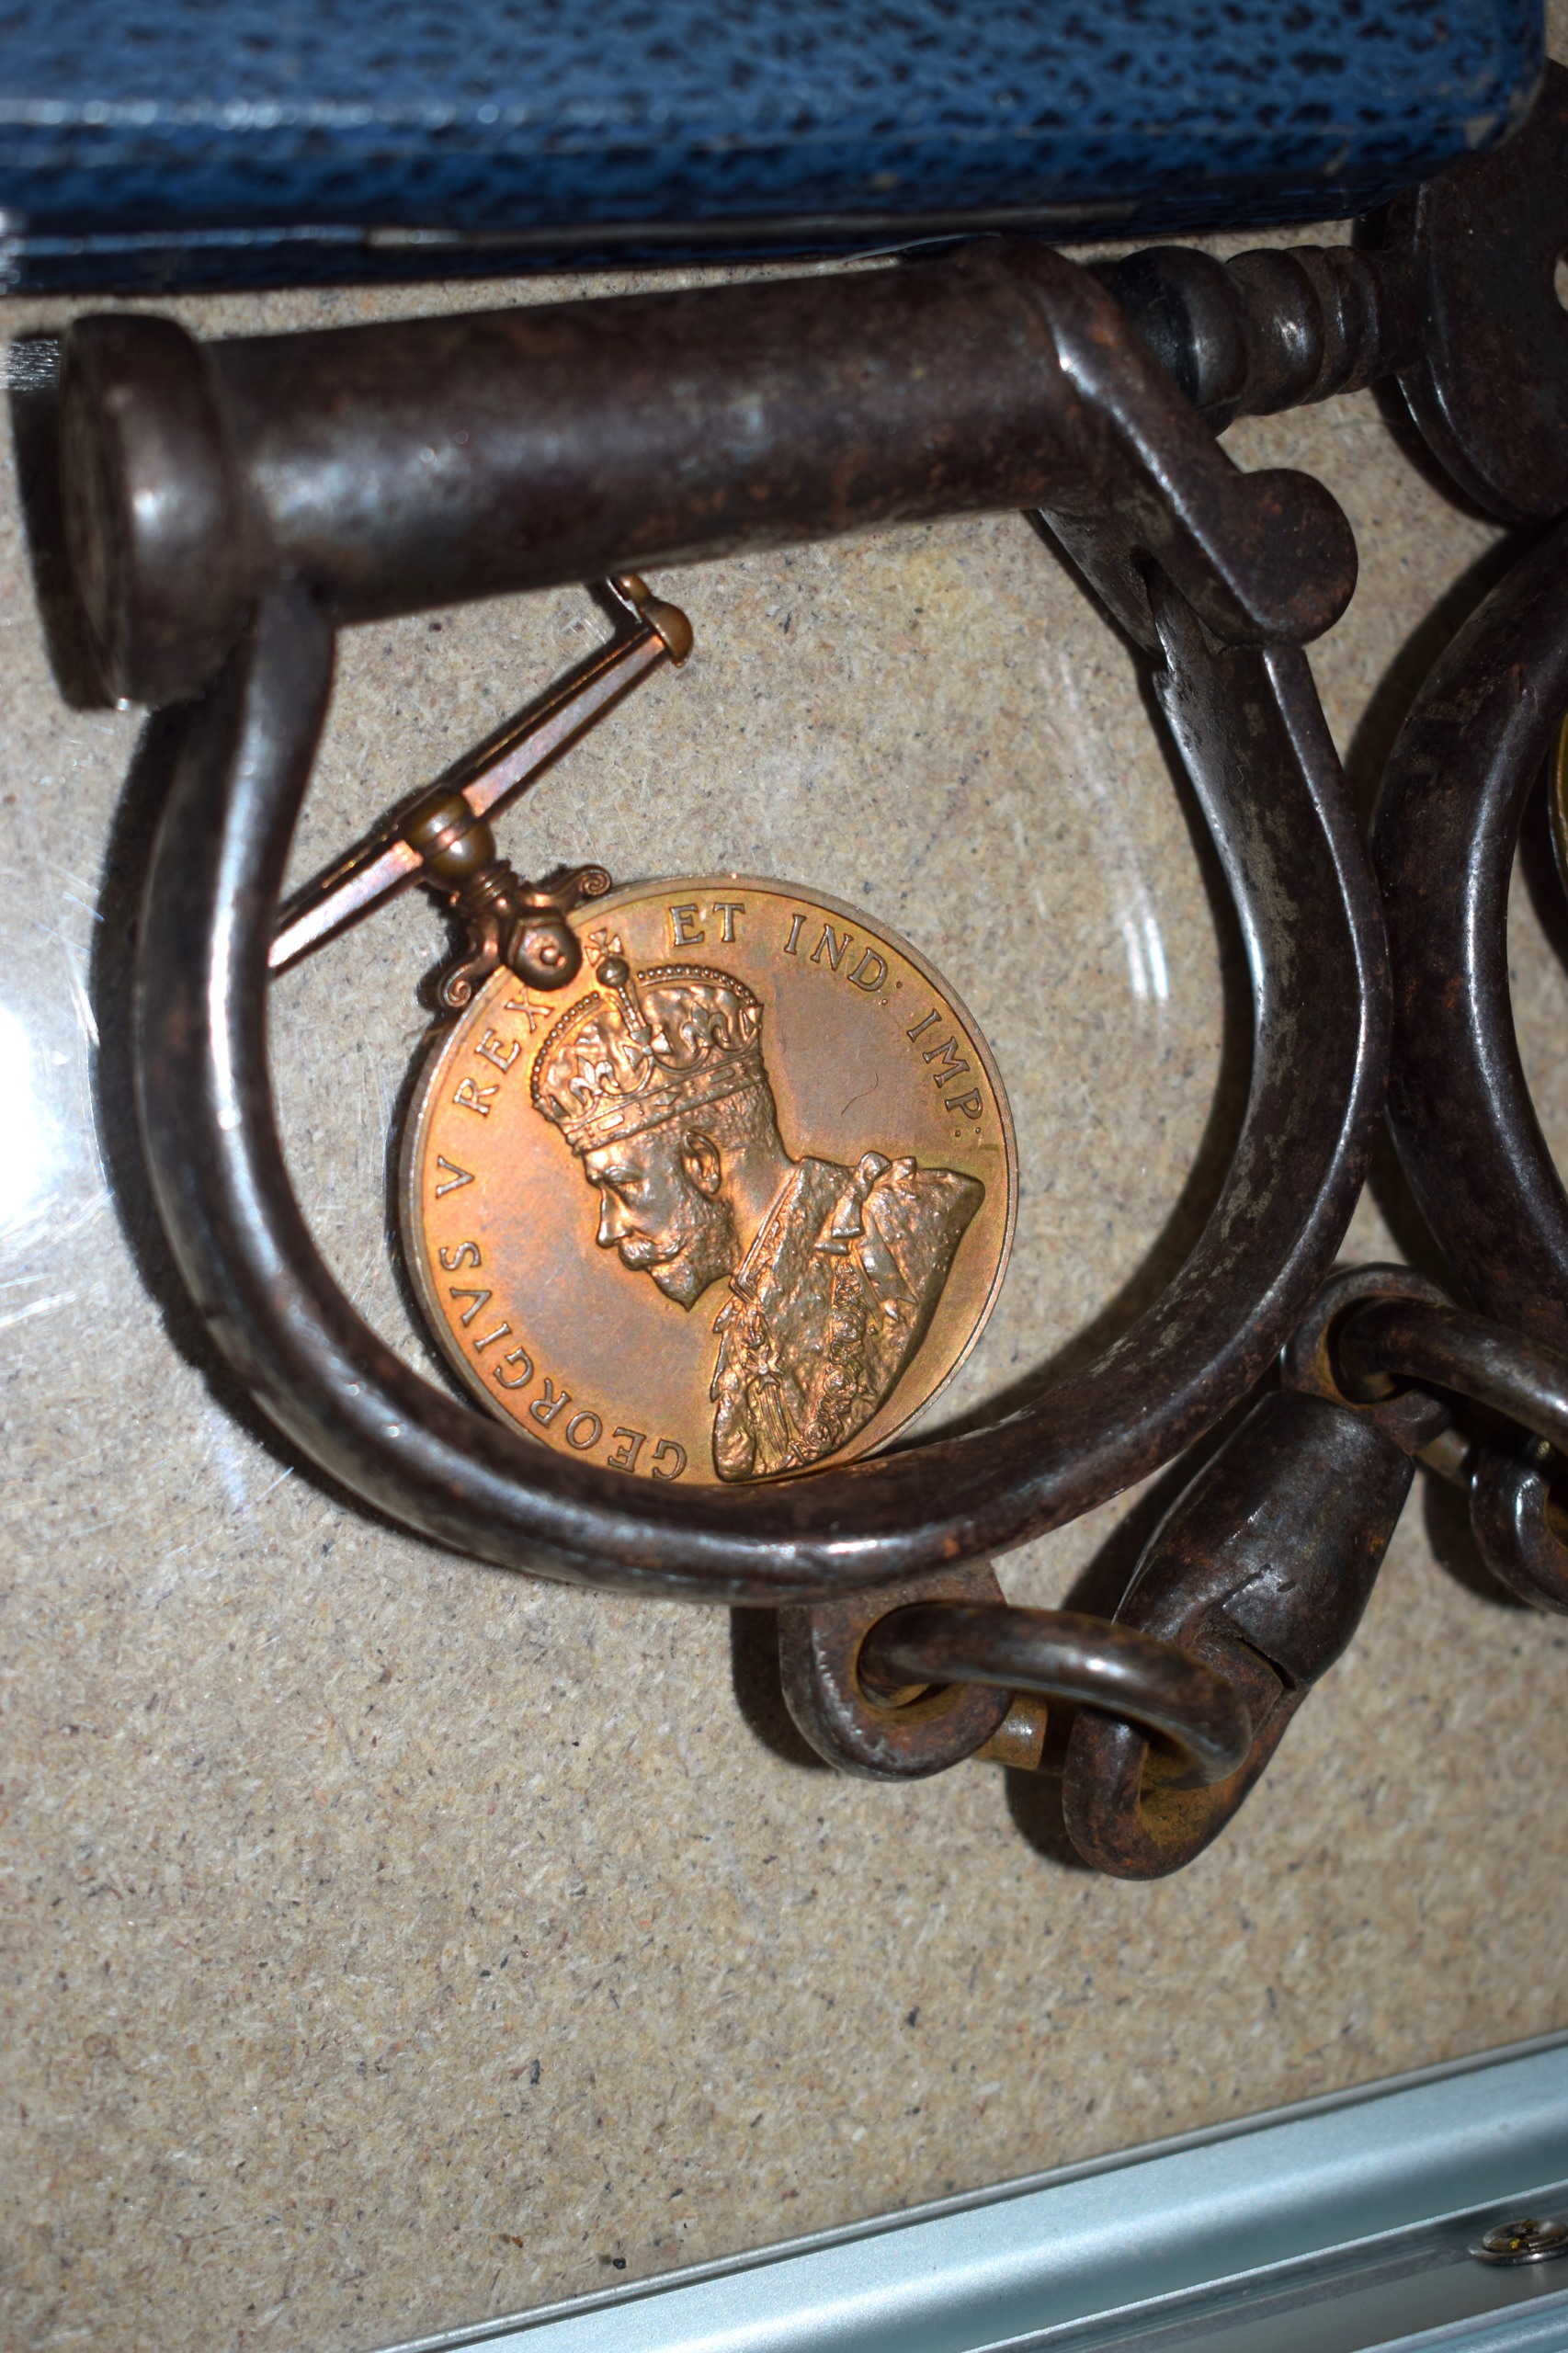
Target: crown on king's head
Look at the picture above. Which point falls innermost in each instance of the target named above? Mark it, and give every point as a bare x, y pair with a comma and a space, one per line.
644, 1048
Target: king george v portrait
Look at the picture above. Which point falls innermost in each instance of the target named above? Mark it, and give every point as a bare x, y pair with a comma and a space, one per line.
658, 1082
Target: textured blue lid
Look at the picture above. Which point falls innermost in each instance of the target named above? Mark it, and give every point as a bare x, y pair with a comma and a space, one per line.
173, 128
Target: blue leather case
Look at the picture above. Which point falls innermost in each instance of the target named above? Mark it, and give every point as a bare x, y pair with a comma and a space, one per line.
144, 142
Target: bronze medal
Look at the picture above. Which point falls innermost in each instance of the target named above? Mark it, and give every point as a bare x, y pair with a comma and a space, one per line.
709, 1179
733, 1206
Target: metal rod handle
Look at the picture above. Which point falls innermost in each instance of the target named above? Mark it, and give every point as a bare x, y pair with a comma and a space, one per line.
420, 462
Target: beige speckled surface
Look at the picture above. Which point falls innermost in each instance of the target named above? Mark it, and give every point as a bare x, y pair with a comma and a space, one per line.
388, 1942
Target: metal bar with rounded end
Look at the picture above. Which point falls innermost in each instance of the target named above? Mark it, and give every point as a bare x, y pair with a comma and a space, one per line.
1064, 1655
1442, 1347
420, 462
1444, 837
1273, 793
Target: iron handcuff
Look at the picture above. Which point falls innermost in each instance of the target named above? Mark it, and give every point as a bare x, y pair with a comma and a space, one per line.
1445, 835
217, 866
203, 535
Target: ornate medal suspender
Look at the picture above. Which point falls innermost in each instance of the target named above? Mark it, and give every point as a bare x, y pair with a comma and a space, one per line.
231, 505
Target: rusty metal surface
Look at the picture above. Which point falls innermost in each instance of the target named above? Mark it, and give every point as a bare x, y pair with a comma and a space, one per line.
1442, 1347
1489, 394
1065, 1654
323, 446
398, 466
1274, 329
1312, 1363
361, 472
1264, 1564
896, 1685
897, 1734
1261, 1568
1516, 1525
1517, 1530
1429, 1850
1444, 837
1272, 789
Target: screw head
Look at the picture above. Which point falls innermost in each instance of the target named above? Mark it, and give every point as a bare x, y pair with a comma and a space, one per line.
1528, 2240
